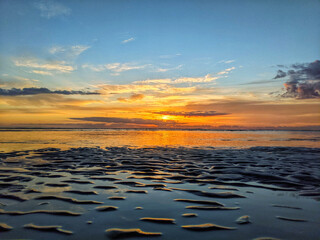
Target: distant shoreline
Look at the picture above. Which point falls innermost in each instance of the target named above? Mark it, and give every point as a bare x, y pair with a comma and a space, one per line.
158, 129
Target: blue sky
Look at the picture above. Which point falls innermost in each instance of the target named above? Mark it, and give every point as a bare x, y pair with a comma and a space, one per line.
85, 44
252, 33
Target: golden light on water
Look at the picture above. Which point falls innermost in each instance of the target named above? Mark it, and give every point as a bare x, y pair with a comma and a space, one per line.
64, 139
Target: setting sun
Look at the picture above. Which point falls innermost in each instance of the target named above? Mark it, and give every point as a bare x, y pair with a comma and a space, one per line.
165, 117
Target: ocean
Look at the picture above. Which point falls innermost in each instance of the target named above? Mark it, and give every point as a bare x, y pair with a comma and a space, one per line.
101, 184
22, 139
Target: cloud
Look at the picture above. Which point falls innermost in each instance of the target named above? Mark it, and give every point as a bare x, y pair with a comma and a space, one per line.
42, 72
128, 88
301, 90
51, 9
59, 66
17, 81
136, 121
206, 78
154, 81
169, 69
226, 71
227, 61
54, 125
159, 90
157, 87
128, 40
34, 91
280, 74
304, 80
54, 103
256, 109
260, 82
132, 98
193, 113
116, 68
170, 56
70, 53
97, 68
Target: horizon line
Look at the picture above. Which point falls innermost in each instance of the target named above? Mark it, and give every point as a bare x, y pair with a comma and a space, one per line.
160, 129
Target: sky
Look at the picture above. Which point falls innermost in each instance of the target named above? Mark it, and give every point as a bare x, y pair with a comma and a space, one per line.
182, 64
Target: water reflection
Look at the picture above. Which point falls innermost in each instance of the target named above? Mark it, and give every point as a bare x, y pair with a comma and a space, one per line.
34, 139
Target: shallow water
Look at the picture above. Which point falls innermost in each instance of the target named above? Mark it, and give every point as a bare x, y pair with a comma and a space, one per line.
261, 178
17, 140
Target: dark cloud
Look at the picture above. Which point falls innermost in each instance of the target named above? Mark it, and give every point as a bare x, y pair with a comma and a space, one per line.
34, 91
303, 82
193, 113
280, 74
54, 126
281, 66
135, 121
303, 90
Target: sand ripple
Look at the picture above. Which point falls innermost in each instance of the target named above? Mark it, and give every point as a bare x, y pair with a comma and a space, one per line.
115, 233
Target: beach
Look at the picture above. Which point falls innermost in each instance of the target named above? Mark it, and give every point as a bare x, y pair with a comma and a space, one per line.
164, 192
170, 120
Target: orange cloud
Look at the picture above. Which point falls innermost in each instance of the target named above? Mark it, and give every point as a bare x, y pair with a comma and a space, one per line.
132, 98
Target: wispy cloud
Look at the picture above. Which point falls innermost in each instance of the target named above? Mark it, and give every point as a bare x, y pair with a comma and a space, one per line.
95, 68
35, 91
16, 81
227, 61
114, 67
170, 56
68, 52
135, 121
154, 81
203, 79
193, 113
153, 91
128, 40
260, 82
130, 88
207, 78
169, 69
118, 67
59, 66
132, 98
42, 72
174, 88
226, 71
49, 8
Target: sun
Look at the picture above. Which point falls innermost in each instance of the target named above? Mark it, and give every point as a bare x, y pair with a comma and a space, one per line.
165, 117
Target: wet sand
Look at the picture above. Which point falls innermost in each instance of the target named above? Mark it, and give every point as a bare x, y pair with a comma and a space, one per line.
160, 193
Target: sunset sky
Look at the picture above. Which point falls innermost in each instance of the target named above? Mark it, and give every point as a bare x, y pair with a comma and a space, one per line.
215, 64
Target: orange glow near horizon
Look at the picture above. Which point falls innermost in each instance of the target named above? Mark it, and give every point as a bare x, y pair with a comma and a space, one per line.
78, 111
